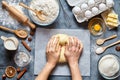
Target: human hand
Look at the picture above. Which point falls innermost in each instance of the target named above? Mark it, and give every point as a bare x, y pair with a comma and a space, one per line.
73, 50
52, 51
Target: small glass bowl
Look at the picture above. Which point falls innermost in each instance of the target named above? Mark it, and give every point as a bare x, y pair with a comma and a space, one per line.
37, 21
22, 58
93, 22
114, 76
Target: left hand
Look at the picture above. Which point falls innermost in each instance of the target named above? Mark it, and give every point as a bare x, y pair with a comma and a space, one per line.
52, 51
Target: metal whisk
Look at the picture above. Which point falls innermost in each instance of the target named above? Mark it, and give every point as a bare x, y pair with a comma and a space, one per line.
66, 16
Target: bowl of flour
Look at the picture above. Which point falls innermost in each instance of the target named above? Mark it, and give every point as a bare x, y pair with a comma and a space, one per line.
49, 8
109, 66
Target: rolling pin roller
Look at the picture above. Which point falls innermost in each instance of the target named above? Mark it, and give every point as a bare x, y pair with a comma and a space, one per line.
18, 15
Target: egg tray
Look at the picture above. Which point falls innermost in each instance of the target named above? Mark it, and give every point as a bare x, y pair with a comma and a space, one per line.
90, 8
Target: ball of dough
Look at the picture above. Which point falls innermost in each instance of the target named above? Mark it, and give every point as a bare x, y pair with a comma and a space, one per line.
63, 39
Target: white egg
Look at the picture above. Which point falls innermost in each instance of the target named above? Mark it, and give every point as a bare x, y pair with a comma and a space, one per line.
84, 6
76, 10
102, 6
91, 2
95, 10
109, 3
88, 13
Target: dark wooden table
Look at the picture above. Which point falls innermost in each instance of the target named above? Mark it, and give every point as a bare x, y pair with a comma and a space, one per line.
6, 57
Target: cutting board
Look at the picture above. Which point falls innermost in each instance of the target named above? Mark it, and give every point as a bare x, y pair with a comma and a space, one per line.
41, 39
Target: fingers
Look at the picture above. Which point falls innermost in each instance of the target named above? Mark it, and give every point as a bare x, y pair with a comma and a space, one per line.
52, 45
81, 47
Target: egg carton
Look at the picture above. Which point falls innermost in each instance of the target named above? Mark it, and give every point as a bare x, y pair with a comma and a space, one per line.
86, 9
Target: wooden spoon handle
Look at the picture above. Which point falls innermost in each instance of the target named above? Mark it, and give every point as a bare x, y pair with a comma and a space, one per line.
6, 29
111, 37
117, 42
25, 6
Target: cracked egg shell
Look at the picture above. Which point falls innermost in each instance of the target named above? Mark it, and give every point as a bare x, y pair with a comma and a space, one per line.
102, 6
84, 6
95, 10
76, 10
88, 13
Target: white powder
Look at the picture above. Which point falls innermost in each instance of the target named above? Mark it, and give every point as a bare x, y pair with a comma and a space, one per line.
99, 50
10, 45
109, 65
50, 9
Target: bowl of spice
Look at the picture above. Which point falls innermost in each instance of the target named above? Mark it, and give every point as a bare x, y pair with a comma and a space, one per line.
48, 11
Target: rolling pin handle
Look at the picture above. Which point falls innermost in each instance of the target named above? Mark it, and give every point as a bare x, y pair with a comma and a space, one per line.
4, 4
32, 26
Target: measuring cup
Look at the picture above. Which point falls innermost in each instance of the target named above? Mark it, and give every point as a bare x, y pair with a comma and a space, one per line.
10, 43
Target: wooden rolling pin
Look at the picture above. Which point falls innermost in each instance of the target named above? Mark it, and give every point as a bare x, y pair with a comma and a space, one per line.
18, 15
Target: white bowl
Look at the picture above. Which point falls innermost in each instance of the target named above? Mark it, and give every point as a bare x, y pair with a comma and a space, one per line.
40, 22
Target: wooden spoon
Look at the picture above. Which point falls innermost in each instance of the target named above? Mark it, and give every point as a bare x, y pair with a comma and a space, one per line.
102, 49
101, 41
38, 13
19, 32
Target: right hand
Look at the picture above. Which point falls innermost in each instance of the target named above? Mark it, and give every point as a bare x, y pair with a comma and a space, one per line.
73, 50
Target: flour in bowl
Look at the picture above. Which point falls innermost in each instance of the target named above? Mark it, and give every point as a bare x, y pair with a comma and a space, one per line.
50, 10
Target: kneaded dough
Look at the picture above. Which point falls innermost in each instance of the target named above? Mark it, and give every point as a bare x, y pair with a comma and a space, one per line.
63, 40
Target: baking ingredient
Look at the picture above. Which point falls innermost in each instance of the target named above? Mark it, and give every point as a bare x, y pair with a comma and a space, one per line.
88, 13
10, 44
97, 27
21, 73
76, 10
84, 6
112, 19
50, 10
10, 71
3, 77
63, 40
109, 3
102, 6
30, 39
18, 69
117, 48
91, 2
21, 33
26, 45
95, 10
101, 41
22, 59
108, 65
99, 50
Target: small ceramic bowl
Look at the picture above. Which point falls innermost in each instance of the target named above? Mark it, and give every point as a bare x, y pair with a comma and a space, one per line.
115, 75
35, 19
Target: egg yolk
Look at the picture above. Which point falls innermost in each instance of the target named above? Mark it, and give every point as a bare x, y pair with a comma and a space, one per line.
97, 27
